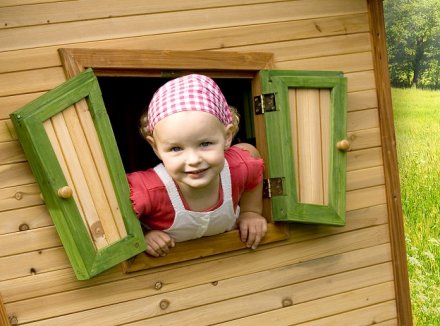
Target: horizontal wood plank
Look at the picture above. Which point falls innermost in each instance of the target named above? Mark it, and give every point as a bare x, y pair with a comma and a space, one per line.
224, 38
369, 177
67, 11
11, 152
353, 62
170, 22
31, 263
7, 131
372, 315
27, 218
206, 292
362, 198
361, 100
31, 240
9, 104
30, 81
207, 270
262, 307
365, 119
15, 174
7, 3
313, 47
327, 306
19, 197
364, 158
363, 139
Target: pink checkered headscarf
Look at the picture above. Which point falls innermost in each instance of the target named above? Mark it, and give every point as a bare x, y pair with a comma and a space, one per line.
188, 93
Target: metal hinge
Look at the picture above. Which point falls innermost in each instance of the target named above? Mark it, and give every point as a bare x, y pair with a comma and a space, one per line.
264, 103
273, 187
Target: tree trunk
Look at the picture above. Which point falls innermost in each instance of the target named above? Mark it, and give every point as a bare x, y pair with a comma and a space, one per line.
417, 63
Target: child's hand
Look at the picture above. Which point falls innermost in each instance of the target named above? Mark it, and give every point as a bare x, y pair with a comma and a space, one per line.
158, 243
252, 228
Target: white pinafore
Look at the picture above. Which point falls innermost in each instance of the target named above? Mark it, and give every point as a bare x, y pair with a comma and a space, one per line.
191, 225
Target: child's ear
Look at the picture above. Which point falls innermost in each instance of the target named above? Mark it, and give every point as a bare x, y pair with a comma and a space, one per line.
152, 143
229, 135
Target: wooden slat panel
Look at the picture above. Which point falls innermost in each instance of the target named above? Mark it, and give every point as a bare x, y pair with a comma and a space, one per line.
372, 315
204, 292
370, 177
39, 261
7, 131
363, 139
33, 217
18, 197
51, 34
360, 81
67, 11
293, 109
371, 195
352, 62
365, 119
110, 214
361, 100
366, 197
85, 140
227, 37
327, 306
326, 293
11, 152
313, 47
325, 116
309, 147
6, 3
70, 162
25, 241
21, 288
15, 174
30, 81
8, 104
366, 158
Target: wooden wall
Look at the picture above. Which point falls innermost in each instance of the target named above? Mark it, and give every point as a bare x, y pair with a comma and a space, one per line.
321, 275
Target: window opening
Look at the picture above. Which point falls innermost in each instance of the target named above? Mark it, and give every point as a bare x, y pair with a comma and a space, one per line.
126, 98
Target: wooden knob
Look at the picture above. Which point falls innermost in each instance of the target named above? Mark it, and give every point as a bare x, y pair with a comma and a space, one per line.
343, 145
65, 192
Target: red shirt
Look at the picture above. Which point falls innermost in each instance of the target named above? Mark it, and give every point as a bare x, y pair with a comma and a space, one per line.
153, 206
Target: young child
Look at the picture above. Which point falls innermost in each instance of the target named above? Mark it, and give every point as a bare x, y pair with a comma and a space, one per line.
204, 186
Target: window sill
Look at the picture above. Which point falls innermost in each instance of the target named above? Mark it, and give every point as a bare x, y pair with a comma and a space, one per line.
203, 247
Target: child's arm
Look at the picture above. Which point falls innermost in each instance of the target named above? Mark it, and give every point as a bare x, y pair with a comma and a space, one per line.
251, 223
158, 243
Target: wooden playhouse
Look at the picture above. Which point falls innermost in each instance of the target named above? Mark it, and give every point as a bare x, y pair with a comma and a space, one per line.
310, 81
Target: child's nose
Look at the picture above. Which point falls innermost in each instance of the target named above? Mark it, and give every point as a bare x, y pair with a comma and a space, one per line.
193, 157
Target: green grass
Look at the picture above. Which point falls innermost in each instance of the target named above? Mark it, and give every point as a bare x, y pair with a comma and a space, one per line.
417, 122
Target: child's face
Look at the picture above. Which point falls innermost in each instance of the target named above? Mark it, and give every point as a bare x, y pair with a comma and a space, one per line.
191, 146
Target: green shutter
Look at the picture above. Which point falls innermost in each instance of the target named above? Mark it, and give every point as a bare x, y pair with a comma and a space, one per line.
67, 138
302, 133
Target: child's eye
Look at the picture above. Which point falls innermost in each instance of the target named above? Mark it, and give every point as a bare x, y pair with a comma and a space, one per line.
175, 149
205, 144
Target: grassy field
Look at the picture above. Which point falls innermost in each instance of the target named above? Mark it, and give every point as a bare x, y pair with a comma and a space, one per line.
417, 121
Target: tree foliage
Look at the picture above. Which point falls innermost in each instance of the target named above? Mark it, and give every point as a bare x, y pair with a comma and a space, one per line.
413, 39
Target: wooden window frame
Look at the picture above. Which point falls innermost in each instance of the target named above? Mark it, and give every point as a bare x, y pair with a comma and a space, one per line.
143, 63
92, 242
288, 207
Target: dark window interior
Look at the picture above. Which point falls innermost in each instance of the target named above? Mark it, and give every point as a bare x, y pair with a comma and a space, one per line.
126, 98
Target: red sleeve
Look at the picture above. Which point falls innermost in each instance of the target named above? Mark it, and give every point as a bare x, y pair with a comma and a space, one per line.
150, 200
139, 193
246, 171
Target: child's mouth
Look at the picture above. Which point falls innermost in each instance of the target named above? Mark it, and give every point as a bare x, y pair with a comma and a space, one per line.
196, 172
